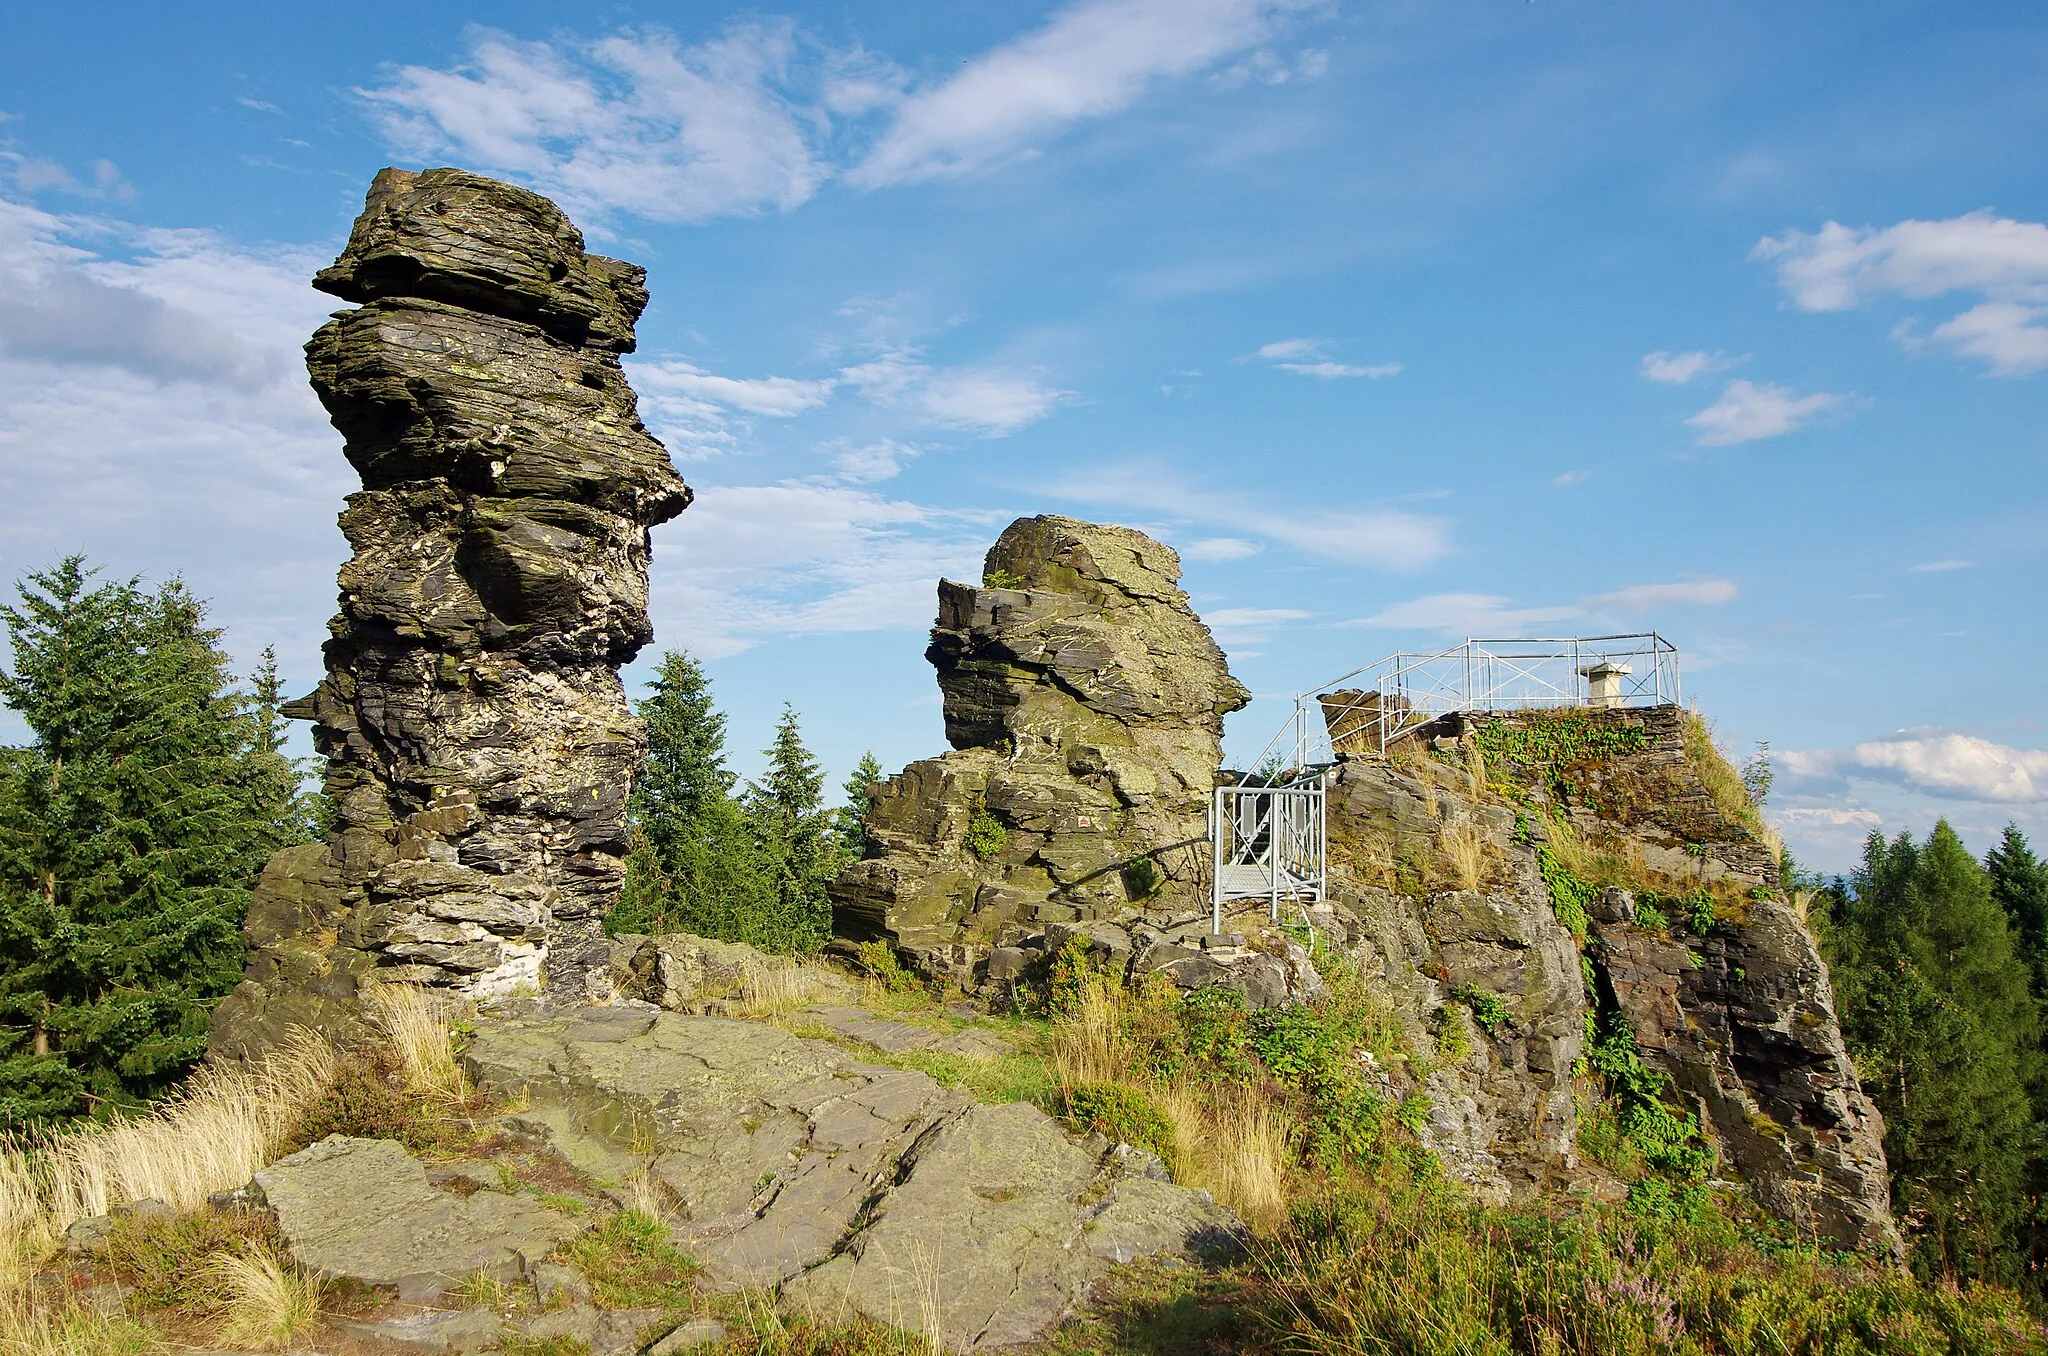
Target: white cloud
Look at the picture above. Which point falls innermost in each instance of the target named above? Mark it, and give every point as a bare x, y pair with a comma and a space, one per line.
1388, 538
750, 562
1677, 369
636, 122
1941, 566
1328, 370
1476, 614
1284, 350
881, 460
1091, 59
1461, 614
2002, 260
1568, 478
32, 175
1310, 357
989, 400
777, 397
1828, 816
1250, 625
1643, 597
154, 416
1220, 549
1938, 762
2006, 335
1748, 412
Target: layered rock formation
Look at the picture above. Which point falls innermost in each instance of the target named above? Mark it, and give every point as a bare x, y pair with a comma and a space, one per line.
478, 740
1439, 890
1085, 703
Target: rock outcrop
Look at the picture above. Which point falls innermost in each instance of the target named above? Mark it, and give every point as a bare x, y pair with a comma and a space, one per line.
478, 740
1084, 701
856, 1189
1439, 890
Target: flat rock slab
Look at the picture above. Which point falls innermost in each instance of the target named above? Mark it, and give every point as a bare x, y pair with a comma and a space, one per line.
601, 1332
896, 1038
465, 1330
363, 1210
860, 1189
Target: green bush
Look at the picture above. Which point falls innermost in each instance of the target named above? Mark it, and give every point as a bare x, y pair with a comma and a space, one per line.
986, 835
1141, 879
1121, 1112
1490, 1010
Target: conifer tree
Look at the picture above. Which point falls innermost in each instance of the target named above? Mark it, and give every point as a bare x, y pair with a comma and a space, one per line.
2019, 882
131, 829
1939, 1014
792, 834
849, 821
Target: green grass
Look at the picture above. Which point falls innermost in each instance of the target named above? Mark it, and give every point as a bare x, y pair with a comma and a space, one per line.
630, 1264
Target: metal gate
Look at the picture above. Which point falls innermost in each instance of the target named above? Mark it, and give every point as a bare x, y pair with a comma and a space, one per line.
1267, 842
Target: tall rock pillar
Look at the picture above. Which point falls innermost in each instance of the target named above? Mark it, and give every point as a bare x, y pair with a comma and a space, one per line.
478, 740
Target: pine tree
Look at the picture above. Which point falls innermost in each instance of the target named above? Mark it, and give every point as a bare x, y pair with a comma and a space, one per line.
1938, 1011
850, 819
131, 829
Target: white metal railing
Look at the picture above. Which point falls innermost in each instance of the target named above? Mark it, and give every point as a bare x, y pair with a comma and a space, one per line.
1369, 708
1267, 841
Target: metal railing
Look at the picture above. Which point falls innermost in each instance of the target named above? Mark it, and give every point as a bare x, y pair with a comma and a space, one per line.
1367, 709
1268, 842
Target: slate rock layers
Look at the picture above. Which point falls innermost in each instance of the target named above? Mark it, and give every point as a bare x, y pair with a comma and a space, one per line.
1084, 700
478, 740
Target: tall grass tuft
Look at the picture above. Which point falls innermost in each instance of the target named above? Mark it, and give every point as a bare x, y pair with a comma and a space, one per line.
210, 1135
1235, 1142
265, 1304
1463, 850
421, 1028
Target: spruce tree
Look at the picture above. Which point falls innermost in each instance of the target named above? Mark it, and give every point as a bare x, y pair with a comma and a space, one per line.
1938, 1011
131, 829
2019, 882
850, 819
793, 835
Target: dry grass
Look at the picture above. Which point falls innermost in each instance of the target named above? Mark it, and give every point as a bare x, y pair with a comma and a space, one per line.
774, 987
1723, 782
36, 1324
1462, 848
421, 1028
1234, 1142
212, 1134
1087, 1042
265, 1304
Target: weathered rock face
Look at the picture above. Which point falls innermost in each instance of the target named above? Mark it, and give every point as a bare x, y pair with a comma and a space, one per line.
479, 743
857, 1189
1085, 703
1736, 1008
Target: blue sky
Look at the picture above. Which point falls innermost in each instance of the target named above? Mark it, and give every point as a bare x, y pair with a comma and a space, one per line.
1403, 321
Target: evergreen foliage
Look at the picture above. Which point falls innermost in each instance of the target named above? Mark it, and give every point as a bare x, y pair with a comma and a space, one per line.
131, 829
850, 821
1937, 1007
705, 861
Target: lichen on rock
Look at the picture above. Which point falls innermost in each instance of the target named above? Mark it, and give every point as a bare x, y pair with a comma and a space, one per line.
1084, 700
478, 740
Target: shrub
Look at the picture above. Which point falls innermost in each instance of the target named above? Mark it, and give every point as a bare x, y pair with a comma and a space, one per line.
986, 835
1142, 879
1123, 1113
878, 958
1490, 1010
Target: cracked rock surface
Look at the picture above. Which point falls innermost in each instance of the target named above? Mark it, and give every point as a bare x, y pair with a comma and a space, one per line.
856, 1188
479, 743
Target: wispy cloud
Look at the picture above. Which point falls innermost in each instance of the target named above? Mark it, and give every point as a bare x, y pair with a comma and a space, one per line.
1090, 60
1678, 369
1310, 358
1941, 763
1748, 412
1218, 549
1384, 537
637, 122
1568, 478
776, 397
989, 400
2002, 260
1477, 614
1250, 625
1941, 566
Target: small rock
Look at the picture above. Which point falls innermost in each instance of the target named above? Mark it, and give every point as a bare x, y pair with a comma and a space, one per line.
1614, 906
88, 1237
1007, 962
464, 1331
698, 1332
146, 1208
247, 1196
555, 1284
